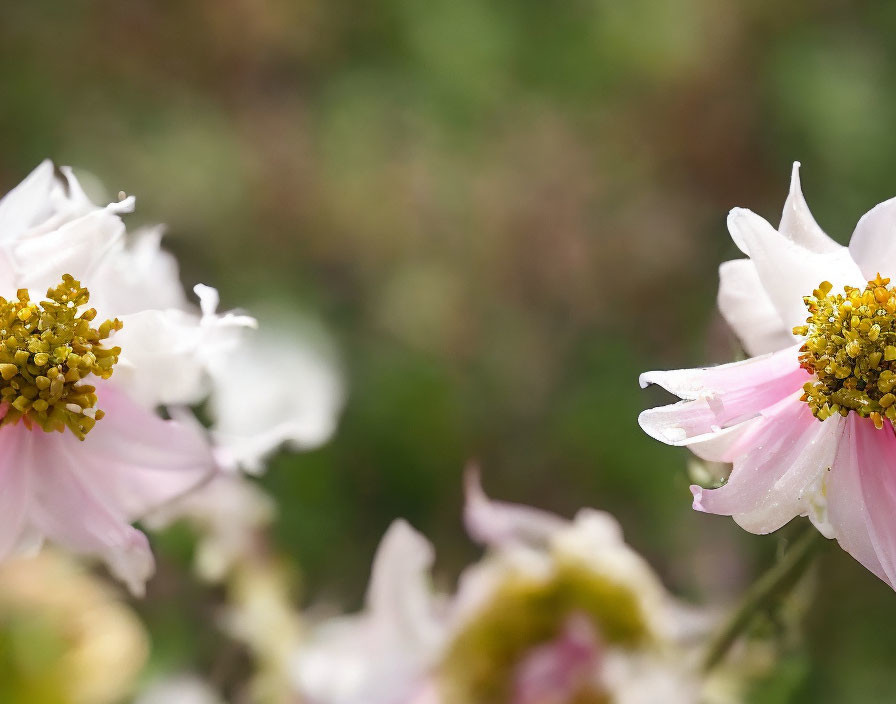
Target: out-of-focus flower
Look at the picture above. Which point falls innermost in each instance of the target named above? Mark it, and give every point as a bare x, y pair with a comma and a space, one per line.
383, 655
65, 638
228, 514
179, 689
261, 615
808, 422
114, 458
556, 612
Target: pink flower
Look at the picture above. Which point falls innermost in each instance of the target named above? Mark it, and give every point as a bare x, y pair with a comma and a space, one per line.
62, 368
807, 422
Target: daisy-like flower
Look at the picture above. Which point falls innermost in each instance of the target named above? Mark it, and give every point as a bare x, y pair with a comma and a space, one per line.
807, 421
557, 611
96, 334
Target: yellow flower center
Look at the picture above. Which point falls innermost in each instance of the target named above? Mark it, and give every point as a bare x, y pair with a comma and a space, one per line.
46, 350
850, 349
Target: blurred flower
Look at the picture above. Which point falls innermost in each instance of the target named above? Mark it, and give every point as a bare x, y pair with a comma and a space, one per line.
556, 612
114, 457
836, 366
182, 689
228, 514
261, 615
64, 636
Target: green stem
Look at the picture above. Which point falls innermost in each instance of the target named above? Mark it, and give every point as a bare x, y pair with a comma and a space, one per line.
775, 583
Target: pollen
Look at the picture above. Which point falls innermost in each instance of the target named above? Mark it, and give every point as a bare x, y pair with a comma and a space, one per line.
850, 351
47, 349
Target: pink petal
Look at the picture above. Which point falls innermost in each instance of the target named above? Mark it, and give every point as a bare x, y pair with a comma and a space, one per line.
778, 469
14, 499
71, 511
862, 497
495, 523
719, 397
139, 460
873, 243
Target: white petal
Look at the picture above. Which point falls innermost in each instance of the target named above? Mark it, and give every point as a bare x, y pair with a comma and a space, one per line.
749, 311
787, 270
28, 203
274, 387
797, 222
383, 655
873, 243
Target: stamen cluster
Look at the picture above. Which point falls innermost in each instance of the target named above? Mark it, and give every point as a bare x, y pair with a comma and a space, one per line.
850, 350
46, 350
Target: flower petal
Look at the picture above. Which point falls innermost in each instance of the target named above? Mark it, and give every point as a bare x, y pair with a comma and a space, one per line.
273, 388
70, 511
872, 470
27, 203
797, 222
719, 397
787, 270
749, 311
778, 470
496, 524
14, 499
847, 510
138, 460
873, 242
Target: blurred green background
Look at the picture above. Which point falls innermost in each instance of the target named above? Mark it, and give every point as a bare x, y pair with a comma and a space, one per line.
503, 210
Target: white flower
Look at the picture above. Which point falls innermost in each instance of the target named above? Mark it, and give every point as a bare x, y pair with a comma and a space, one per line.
555, 610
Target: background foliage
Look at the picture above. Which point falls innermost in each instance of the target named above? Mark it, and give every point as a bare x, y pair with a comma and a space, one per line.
503, 210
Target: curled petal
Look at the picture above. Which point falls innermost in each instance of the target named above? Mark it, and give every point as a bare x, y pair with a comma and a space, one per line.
797, 222
718, 398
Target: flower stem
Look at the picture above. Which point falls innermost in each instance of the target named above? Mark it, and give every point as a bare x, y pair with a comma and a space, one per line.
775, 583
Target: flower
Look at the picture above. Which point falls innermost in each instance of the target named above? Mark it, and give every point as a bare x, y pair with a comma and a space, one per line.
97, 375
807, 422
556, 612
65, 636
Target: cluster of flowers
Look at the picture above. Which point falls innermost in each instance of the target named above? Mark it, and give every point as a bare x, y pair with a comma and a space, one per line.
101, 379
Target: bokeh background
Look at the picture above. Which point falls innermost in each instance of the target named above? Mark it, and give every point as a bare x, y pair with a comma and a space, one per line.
502, 211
